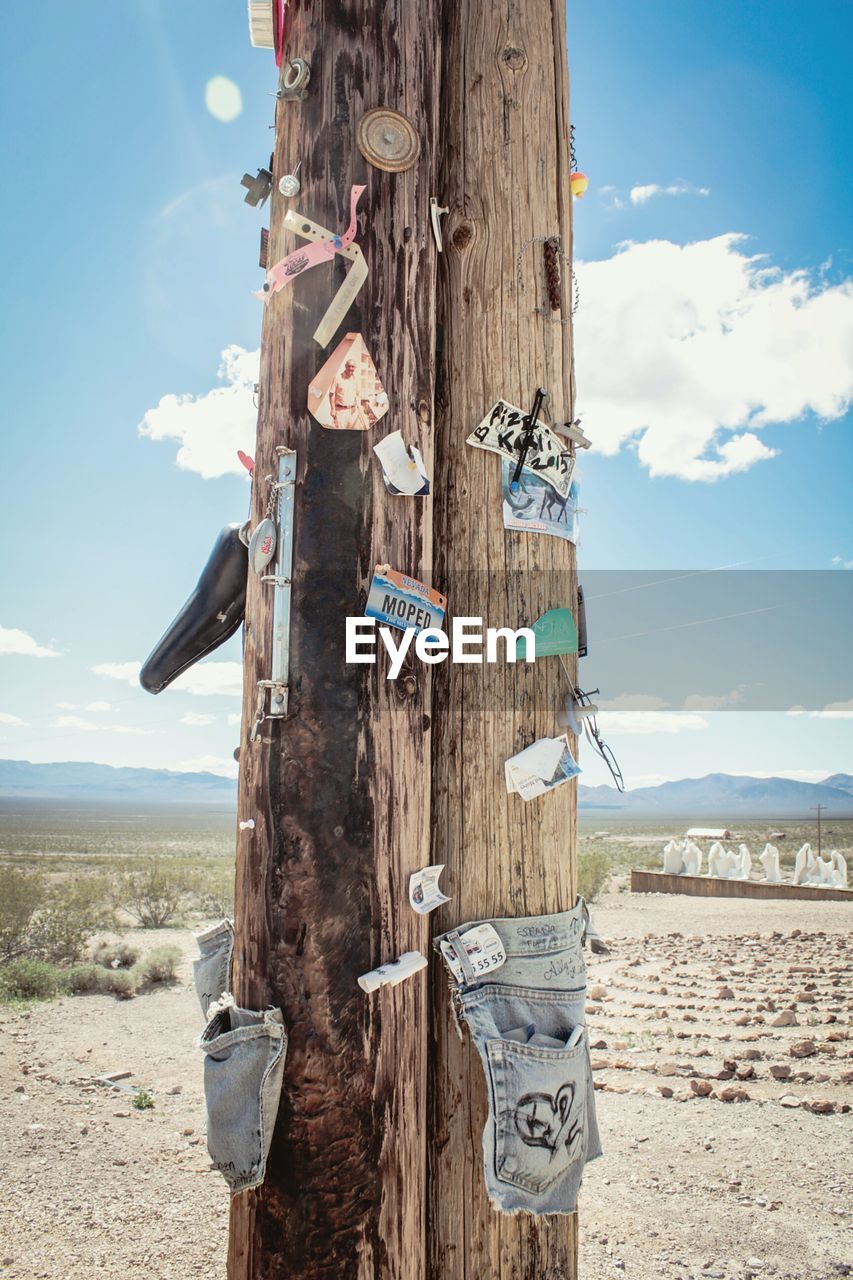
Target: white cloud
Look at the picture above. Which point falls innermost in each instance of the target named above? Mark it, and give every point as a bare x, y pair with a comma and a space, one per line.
633, 702
841, 563
194, 719
223, 99
128, 672
211, 427
647, 191
714, 701
75, 722
206, 679
82, 725
685, 351
14, 721
97, 706
832, 711
212, 678
209, 764
631, 722
13, 641
835, 711
66, 706
234, 718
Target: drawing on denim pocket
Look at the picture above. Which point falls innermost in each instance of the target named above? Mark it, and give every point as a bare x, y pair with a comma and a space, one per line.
547, 1121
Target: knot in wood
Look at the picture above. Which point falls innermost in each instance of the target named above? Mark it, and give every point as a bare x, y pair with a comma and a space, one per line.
515, 59
410, 686
463, 235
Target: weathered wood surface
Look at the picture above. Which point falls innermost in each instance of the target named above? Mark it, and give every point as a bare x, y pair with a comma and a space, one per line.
340, 792
712, 887
505, 175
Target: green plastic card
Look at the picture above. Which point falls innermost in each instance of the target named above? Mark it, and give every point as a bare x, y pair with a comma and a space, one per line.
555, 632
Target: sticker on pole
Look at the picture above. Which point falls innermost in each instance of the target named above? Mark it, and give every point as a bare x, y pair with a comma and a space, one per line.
483, 947
504, 431
424, 893
347, 395
555, 632
541, 767
536, 507
400, 601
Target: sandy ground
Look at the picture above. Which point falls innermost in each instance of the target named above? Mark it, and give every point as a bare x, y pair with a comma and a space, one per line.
690, 1186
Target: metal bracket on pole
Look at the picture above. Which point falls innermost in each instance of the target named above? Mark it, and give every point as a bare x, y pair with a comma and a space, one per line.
279, 682
435, 212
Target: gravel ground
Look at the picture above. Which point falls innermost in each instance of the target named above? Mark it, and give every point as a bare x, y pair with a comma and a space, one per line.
691, 1186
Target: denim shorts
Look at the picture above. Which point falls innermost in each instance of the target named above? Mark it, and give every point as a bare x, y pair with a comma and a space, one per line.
243, 1069
541, 1128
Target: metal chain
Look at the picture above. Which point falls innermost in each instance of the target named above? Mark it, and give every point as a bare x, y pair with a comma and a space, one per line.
555, 254
275, 490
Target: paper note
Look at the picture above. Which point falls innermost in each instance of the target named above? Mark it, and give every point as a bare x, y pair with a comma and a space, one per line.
541, 767
503, 431
403, 467
347, 395
400, 601
424, 893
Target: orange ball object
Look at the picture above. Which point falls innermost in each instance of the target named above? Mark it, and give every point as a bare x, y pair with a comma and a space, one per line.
580, 182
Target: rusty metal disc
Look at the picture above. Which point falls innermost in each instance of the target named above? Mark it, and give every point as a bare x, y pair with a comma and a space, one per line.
388, 140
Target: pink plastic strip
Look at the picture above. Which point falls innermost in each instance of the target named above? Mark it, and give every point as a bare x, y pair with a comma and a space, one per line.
301, 260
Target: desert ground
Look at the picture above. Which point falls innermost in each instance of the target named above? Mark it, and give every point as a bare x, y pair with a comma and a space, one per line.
681, 1016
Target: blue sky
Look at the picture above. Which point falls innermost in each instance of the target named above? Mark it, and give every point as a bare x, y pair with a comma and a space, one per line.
130, 261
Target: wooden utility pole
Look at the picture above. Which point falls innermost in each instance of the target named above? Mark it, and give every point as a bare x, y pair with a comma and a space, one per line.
505, 174
340, 790
368, 779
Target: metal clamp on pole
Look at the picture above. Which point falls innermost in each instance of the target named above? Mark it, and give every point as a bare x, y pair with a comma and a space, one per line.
279, 682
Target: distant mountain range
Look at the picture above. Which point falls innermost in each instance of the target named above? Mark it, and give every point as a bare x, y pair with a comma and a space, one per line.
720, 795
99, 783
724, 796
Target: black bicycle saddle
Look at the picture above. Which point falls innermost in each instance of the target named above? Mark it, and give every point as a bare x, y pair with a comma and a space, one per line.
213, 612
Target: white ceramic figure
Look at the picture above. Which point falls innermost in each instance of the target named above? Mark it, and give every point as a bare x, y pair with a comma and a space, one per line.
692, 859
744, 863
840, 865
769, 859
715, 853
673, 863
824, 872
803, 864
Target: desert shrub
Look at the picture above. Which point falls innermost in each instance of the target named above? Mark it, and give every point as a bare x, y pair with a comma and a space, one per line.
160, 965
216, 890
26, 979
73, 911
593, 873
142, 1100
115, 955
49, 922
155, 891
21, 895
119, 982
84, 979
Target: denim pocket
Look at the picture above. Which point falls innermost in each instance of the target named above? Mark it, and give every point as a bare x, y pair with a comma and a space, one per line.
539, 1107
212, 969
243, 1069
